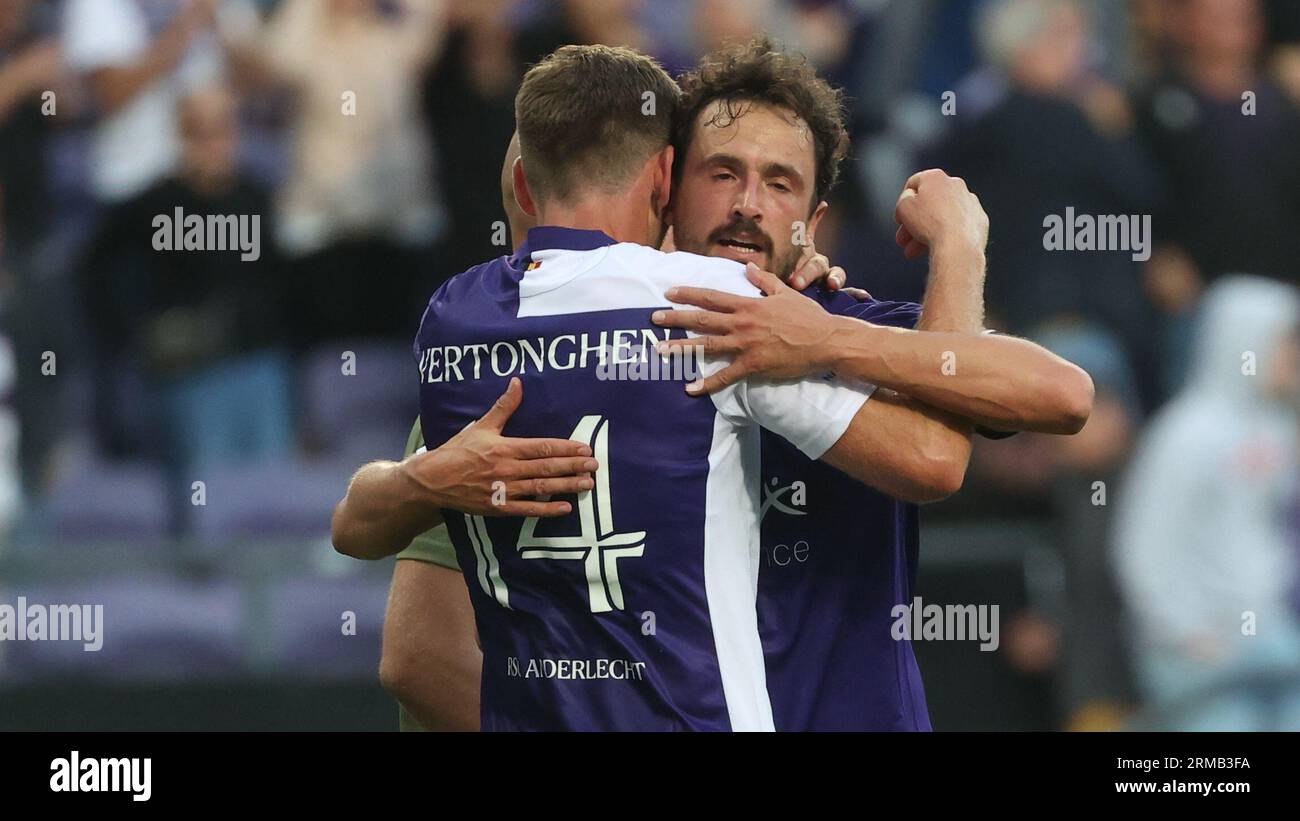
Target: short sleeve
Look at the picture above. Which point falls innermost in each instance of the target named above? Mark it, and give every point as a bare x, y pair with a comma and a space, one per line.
810, 413
879, 312
433, 546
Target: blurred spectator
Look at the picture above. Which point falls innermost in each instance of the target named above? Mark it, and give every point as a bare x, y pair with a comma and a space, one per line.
1151, 45
1226, 142
201, 328
1095, 687
359, 205
1073, 626
30, 63
469, 106
469, 97
1202, 540
1037, 133
717, 22
1284, 35
32, 90
612, 22
140, 57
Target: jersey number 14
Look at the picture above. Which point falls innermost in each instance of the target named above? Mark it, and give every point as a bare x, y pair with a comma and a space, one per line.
597, 545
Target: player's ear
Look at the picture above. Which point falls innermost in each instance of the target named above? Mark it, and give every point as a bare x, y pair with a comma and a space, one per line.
815, 220
663, 180
523, 196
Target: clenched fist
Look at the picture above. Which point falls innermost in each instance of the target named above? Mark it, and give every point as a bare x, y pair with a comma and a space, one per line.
936, 209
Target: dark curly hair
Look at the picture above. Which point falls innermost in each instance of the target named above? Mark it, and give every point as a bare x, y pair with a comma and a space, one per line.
760, 72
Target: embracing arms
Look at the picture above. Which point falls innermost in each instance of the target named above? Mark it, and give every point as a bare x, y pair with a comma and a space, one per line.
477, 471
948, 363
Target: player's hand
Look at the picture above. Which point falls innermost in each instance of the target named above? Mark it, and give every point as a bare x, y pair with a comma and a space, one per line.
936, 209
480, 471
781, 335
813, 267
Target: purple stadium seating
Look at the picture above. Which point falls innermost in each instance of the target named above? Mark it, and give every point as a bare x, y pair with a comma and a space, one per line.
361, 416
279, 500
307, 617
103, 501
154, 628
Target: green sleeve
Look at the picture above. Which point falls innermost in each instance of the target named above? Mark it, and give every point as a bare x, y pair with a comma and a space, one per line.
433, 546
406, 722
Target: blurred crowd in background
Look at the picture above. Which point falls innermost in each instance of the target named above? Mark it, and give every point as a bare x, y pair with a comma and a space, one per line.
368, 136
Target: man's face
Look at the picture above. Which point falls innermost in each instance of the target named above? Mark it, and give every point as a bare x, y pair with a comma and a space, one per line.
1224, 29
746, 187
210, 134
1059, 55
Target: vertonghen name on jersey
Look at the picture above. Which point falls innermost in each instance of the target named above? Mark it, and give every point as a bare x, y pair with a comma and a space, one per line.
605, 349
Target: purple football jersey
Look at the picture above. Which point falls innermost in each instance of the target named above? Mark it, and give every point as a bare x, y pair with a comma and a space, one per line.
636, 611
837, 557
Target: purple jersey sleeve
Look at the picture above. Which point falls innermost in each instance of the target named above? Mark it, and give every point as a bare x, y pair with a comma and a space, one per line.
875, 311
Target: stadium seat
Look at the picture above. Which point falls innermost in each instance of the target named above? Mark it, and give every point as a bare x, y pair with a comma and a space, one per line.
363, 415
154, 628
308, 615
107, 501
273, 500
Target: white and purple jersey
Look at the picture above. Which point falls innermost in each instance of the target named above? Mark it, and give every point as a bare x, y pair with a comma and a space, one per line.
637, 611
837, 557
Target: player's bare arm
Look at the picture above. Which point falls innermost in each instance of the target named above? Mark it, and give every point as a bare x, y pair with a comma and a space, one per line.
997, 381
478, 471
904, 448
431, 661
931, 464
939, 214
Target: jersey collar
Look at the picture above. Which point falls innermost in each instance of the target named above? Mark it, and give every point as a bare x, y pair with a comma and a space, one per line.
551, 237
